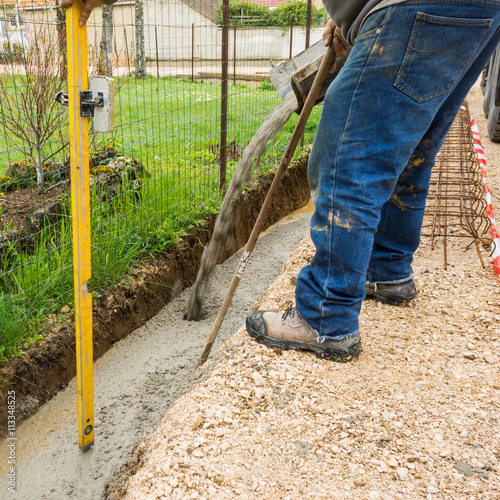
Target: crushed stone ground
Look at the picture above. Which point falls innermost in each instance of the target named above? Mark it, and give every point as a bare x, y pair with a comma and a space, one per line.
416, 416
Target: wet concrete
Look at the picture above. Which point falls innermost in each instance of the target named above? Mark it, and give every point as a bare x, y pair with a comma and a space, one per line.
136, 382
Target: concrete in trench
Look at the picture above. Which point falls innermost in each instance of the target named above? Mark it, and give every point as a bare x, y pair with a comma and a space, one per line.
136, 382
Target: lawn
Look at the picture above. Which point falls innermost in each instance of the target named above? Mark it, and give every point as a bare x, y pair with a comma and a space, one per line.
173, 128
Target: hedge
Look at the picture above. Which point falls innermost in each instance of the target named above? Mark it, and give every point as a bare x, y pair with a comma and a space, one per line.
248, 14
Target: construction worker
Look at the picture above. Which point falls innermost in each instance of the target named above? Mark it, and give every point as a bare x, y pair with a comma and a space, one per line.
384, 120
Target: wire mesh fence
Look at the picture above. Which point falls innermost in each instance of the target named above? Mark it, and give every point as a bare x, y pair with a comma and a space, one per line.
191, 89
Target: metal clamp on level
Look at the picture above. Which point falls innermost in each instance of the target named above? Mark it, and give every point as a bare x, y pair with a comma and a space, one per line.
98, 102
62, 99
88, 101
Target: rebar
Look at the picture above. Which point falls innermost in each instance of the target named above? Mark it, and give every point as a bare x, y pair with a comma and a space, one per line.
456, 206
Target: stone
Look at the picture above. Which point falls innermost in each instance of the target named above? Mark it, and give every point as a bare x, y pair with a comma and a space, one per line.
303, 447
66, 309
392, 462
464, 468
469, 355
422, 385
197, 422
47, 216
402, 472
258, 379
432, 489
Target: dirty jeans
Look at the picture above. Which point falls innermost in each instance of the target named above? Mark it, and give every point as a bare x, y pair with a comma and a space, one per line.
383, 121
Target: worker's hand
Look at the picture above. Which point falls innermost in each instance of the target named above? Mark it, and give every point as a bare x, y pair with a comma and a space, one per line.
332, 34
90, 5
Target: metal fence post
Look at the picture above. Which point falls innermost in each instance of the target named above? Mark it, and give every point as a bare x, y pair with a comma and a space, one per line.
140, 42
157, 57
308, 23
291, 36
80, 209
192, 52
224, 76
234, 53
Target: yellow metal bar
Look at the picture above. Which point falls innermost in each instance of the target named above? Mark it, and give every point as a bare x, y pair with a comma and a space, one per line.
80, 203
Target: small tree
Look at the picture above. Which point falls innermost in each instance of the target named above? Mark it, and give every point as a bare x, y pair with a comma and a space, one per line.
28, 109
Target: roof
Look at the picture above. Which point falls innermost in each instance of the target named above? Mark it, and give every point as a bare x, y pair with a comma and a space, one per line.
33, 4
38, 4
8, 3
207, 8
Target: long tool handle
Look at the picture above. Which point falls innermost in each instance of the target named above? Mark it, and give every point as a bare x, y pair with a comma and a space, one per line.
280, 173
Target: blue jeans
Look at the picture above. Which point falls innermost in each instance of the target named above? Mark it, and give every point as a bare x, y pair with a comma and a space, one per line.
384, 119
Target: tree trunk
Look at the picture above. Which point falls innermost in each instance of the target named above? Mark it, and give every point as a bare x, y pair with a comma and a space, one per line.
61, 39
39, 169
107, 40
140, 47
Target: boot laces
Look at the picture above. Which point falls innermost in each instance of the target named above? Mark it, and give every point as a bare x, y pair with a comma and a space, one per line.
289, 313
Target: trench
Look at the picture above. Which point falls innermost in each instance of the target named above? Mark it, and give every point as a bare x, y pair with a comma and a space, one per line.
138, 377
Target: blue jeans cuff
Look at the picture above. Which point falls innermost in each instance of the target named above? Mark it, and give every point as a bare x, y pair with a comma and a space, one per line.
391, 282
322, 338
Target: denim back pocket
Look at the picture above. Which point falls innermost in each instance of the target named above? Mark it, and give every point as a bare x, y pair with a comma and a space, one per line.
438, 53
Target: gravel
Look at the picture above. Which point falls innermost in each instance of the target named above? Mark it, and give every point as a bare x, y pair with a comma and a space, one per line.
415, 416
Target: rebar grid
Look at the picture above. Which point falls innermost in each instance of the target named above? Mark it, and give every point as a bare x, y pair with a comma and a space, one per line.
456, 206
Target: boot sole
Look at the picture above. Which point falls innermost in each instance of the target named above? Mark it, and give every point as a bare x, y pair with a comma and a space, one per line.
317, 348
388, 300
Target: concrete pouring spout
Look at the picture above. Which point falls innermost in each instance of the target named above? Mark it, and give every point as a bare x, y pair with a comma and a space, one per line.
298, 74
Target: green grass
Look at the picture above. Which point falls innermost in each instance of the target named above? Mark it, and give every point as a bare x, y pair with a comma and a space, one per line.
173, 128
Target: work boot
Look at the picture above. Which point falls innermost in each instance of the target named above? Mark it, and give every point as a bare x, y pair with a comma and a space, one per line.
392, 293
290, 331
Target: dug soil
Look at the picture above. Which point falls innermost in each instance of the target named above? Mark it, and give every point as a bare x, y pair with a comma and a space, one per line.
17, 205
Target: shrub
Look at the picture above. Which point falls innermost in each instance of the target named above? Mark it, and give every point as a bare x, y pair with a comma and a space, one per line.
281, 15
248, 14
11, 53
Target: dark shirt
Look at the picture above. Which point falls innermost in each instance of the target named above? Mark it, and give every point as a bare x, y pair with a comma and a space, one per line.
349, 14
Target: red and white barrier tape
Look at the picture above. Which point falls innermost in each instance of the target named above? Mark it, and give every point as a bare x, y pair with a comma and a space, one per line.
487, 193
